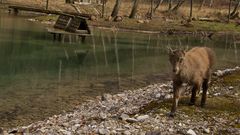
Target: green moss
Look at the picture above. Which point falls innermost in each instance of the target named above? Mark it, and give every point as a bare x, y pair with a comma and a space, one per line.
223, 104
215, 26
47, 18
217, 106
161, 25
237, 126
152, 106
232, 79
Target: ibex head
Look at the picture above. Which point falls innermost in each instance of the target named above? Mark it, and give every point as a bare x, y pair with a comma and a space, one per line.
176, 57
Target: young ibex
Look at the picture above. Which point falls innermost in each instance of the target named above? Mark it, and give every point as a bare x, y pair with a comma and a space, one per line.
192, 67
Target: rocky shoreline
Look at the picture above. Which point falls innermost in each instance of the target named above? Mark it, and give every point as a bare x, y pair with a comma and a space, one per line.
136, 112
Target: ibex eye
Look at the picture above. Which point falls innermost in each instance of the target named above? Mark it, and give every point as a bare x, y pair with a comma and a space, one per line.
181, 59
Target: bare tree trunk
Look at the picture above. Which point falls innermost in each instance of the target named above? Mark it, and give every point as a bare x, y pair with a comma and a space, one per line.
69, 1
133, 57
47, 5
202, 3
191, 7
117, 59
151, 12
116, 8
179, 4
104, 50
229, 10
103, 7
211, 3
234, 12
158, 4
169, 4
134, 9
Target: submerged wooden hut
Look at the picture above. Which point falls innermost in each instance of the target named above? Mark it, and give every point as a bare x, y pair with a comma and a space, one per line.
71, 26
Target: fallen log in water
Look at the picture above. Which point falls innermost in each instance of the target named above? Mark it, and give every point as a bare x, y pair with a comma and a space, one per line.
40, 10
209, 19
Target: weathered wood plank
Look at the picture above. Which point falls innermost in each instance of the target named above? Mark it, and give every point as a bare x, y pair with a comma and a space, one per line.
78, 24
62, 22
74, 24
40, 10
77, 33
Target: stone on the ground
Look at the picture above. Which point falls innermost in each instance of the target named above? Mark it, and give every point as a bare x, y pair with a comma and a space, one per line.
103, 131
124, 116
131, 120
158, 95
191, 132
142, 118
230, 87
127, 133
140, 21
206, 130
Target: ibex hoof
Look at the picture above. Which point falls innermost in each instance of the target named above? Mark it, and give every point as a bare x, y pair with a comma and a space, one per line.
202, 105
171, 114
191, 103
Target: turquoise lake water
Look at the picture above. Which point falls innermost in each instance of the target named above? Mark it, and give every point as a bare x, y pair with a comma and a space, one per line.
40, 77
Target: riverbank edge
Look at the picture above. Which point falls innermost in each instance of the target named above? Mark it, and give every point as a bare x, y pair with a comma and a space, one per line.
203, 33
133, 25
125, 106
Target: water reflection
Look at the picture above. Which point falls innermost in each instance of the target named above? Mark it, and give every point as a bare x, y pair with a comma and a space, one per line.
104, 49
94, 54
117, 57
39, 77
236, 51
133, 57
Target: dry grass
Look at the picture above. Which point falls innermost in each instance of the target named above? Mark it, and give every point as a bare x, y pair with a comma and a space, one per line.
53, 4
58, 5
126, 6
183, 11
162, 20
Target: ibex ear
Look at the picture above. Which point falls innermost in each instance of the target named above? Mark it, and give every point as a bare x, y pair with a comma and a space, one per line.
170, 50
186, 48
183, 52
181, 58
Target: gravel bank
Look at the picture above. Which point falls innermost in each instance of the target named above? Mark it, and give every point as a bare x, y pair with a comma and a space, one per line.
136, 112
